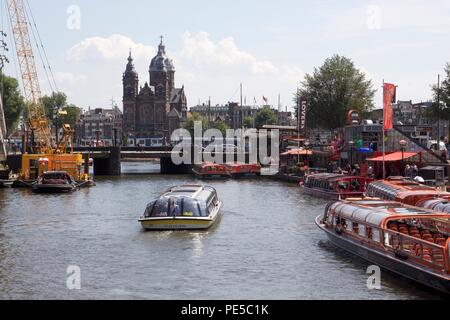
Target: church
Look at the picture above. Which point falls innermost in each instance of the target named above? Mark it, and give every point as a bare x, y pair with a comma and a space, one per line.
156, 109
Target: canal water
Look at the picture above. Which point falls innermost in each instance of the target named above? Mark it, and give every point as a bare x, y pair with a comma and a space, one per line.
266, 246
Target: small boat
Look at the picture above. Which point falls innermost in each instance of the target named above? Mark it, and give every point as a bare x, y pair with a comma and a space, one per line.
334, 186
409, 241
208, 170
404, 190
54, 182
237, 170
188, 207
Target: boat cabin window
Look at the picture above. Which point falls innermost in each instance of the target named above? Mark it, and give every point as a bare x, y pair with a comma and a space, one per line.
362, 230
191, 208
376, 235
343, 185
149, 209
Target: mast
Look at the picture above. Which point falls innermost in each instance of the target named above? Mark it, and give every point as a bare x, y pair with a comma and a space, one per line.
384, 143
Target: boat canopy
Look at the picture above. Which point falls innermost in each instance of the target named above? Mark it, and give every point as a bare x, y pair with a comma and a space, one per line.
436, 204
379, 212
183, 201
394, 157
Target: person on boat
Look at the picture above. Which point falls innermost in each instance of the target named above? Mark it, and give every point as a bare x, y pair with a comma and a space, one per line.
370, 172
174, 208
414, 171
407, 171
443, 148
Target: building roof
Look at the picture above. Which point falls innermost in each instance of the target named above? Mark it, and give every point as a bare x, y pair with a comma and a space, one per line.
177, 95
161, 62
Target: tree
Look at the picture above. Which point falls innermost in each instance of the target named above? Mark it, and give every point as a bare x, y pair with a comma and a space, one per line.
56, 102
249, 122
265, 116
442, 110
221, 126
189, 125
13, 102
334, 89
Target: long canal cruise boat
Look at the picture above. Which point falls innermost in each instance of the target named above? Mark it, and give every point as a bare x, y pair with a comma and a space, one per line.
210, 170
238, 170
187, 207
406, 191
335, 186
409, 241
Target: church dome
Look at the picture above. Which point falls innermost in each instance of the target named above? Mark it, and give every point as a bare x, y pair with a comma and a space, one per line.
161, 62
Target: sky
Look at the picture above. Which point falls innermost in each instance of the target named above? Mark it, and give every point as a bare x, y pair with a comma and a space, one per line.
268, 46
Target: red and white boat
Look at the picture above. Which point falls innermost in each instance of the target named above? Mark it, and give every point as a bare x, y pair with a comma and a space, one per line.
335, 186
409, 241
237, 169
209, 170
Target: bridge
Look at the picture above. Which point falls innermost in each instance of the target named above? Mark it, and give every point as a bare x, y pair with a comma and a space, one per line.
107, 160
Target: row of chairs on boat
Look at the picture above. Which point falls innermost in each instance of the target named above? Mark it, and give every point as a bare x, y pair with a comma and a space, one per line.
428, 254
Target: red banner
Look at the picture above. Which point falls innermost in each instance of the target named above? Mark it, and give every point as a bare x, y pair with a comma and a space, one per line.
389, 97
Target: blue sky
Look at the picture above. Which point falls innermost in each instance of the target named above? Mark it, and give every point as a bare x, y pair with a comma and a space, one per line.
266, 45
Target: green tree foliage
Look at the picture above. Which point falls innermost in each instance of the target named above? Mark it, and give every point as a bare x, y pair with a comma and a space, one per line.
442, 112
249, 122
332, 90
189, 125
56, 102
13, 102
221, 126
265, 116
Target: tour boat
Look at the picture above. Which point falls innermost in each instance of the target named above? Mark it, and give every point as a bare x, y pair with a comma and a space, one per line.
188, 207
54, 182
334, 186
237, 170
211, 170
409, 241
404, 191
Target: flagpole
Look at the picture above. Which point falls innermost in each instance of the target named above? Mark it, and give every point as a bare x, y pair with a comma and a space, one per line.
384, 143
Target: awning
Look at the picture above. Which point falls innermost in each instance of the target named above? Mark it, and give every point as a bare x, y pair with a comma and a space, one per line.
396, 156
298, 152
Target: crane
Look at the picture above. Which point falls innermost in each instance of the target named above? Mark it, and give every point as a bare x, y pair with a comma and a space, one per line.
37, 121
43, 146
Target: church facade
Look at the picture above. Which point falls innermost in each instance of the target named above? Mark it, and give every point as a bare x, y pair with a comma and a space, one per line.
157, 108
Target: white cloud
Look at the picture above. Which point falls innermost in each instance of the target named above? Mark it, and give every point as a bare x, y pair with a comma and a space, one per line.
69, 79
113, 48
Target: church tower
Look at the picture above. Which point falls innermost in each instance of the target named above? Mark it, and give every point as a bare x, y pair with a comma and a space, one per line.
130, 82
162, 74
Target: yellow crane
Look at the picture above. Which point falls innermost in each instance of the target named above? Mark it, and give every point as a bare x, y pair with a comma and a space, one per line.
45, 156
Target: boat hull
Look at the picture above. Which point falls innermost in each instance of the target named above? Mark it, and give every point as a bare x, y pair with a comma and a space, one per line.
177, 224
389, 262
210, 175
54, 188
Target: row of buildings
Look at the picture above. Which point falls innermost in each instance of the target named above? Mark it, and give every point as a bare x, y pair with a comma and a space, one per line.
154, 110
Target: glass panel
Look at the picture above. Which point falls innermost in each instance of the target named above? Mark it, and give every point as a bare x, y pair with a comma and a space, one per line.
191, 209
148, 210
161, 208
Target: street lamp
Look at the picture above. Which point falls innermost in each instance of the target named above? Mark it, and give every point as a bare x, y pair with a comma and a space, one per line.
351, 143
403, 144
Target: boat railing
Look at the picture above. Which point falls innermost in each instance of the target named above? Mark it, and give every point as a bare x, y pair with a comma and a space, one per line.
422, 251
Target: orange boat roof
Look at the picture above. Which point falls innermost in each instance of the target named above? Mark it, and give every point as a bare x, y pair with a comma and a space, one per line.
392, 157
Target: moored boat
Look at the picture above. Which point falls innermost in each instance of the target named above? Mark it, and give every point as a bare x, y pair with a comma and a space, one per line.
404, 191
208, 170
189, 207
237, 170
410, 241
334, 186
54, 182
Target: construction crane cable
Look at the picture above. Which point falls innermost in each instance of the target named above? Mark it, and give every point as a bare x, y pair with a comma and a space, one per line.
42, 45
39, 50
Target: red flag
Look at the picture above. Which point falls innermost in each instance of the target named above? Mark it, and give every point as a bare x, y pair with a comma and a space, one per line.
389, 97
